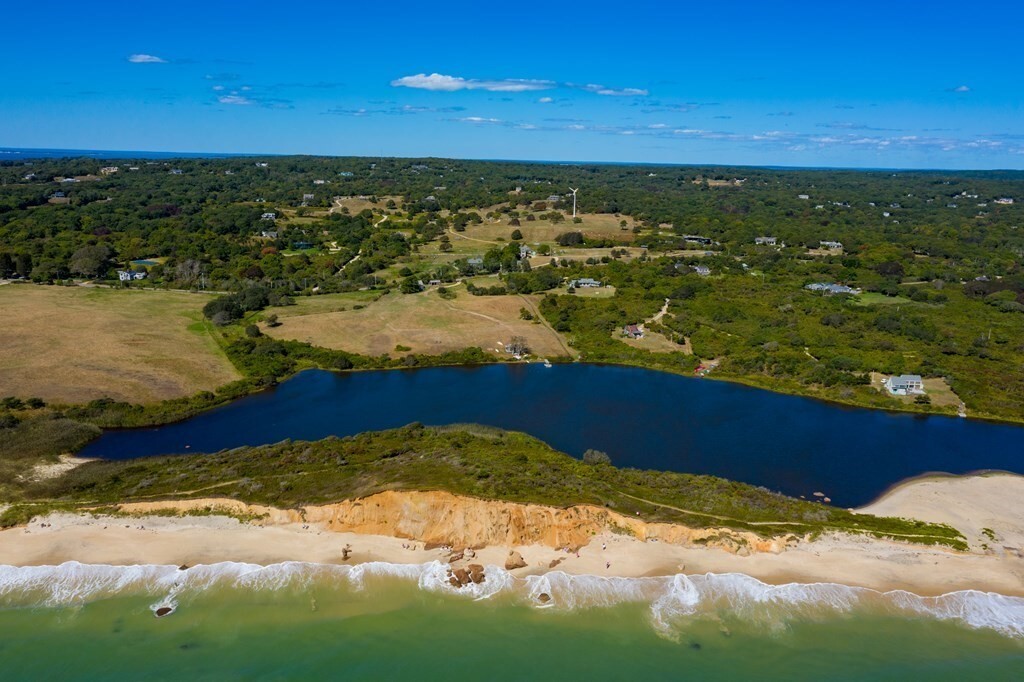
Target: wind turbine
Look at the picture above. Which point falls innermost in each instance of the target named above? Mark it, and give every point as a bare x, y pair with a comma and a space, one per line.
574, 200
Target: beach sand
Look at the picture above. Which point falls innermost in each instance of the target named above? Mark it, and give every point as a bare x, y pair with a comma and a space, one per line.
995, 502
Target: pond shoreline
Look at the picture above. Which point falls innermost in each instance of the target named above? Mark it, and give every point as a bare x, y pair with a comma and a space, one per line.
667, 424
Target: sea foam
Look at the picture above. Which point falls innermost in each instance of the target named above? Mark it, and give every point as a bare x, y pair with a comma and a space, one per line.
672, 601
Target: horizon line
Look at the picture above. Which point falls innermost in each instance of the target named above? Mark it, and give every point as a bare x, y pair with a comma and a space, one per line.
108, 154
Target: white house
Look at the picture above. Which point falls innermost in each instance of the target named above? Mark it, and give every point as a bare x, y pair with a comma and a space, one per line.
268, 216
905, 384
526, 252
766, 241
584, 283
831, 245
129, 275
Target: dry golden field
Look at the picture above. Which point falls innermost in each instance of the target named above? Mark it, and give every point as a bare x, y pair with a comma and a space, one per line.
75, 344
423, 322
654, 342
356, 205
597, 225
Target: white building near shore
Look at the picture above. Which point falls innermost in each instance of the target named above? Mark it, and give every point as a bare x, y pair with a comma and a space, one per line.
905, 384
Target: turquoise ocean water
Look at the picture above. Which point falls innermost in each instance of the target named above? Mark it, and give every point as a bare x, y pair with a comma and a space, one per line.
382, 621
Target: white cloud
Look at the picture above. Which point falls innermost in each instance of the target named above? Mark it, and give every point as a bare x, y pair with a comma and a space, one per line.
443, 83
218, 88
479, 119
546, 100
611, 92
961, 88
145, 59
235, 99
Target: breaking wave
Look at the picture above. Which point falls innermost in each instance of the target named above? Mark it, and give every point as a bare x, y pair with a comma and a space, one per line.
672, 601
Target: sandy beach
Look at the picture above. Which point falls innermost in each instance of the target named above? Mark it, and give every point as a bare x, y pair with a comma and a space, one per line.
988, 510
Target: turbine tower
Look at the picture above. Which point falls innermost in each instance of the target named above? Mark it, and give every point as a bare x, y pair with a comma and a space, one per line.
574, 200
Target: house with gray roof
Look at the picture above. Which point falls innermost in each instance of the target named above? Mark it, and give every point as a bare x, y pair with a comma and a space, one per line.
828, 288
905, 384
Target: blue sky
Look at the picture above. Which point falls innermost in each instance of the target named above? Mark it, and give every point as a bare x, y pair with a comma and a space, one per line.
865, 84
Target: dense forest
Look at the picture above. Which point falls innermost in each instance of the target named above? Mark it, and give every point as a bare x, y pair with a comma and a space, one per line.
65, 217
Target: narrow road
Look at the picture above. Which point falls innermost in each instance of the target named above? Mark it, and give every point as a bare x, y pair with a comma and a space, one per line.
661, 313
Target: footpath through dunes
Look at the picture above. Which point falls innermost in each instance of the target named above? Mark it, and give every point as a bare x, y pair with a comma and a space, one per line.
76, 344
414, 527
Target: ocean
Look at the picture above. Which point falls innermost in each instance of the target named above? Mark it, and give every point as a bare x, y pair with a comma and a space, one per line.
384, 621
26, 154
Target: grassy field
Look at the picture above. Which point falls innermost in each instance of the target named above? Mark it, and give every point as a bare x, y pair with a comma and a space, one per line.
424, 323
939, 392
356, 205
73, 344
596, 225
653, 342
596, 292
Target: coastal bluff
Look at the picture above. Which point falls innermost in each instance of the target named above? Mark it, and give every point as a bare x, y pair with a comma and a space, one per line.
443, 518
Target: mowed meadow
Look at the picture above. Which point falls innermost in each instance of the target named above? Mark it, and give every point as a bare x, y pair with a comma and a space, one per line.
421, 323
75, 344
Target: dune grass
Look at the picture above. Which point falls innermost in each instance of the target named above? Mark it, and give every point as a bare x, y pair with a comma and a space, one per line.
475, 461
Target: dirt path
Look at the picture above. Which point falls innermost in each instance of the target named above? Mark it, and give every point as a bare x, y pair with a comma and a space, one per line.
661, 313
529, 305
756, 523
472, 239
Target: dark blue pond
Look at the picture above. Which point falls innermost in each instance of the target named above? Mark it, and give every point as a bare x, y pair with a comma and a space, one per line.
641, 418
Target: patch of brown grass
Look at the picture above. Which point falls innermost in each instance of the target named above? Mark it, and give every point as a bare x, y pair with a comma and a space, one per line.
75, 344
596, 225
423, 322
